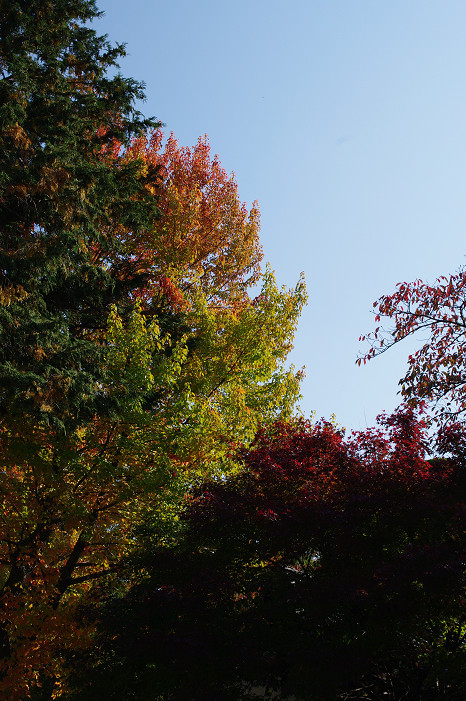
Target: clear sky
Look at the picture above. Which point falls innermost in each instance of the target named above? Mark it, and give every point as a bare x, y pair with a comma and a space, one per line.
346, 120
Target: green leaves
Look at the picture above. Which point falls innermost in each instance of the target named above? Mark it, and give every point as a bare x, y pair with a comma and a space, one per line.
59, 113
133, 361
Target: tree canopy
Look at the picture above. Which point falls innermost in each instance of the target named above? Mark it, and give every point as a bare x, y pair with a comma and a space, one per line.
59, 110
132, 358
330, 568
436, 371
162, 502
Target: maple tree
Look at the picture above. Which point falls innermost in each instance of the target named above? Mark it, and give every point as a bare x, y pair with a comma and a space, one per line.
205, 238
329, 568
437, 370
127, 371
72, 503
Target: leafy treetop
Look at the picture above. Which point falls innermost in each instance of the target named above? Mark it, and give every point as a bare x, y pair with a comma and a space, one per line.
437, 370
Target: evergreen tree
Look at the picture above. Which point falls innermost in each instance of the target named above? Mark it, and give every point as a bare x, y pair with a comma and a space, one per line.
61, 115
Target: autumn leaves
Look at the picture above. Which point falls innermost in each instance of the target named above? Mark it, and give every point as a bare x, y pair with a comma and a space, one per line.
154, 476
133, 359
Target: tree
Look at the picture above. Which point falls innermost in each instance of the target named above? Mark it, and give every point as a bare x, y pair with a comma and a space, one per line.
60, 112
329, 568
75, 506
437, 370
127, 372
205, 238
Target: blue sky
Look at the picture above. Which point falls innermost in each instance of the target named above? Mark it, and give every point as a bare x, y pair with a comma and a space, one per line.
346, 120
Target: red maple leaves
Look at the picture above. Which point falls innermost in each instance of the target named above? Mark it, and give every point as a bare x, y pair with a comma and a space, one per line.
437, 370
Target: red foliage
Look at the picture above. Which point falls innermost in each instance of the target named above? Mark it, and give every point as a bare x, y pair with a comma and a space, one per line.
331, 565
340, 558
314, 462
171, 293
437, 371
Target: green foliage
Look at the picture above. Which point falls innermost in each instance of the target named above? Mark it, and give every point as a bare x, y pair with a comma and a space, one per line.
137, 364
60, 113
236, 370
118, 389
77, 507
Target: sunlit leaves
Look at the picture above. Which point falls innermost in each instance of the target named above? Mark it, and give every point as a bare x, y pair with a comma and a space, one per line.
204, 238
133, 359
437, 315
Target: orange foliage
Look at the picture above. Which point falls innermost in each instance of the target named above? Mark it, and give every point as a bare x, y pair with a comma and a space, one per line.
205, 237
64, 521
69, 503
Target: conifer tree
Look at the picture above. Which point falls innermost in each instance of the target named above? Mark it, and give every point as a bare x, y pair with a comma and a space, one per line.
61, 113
